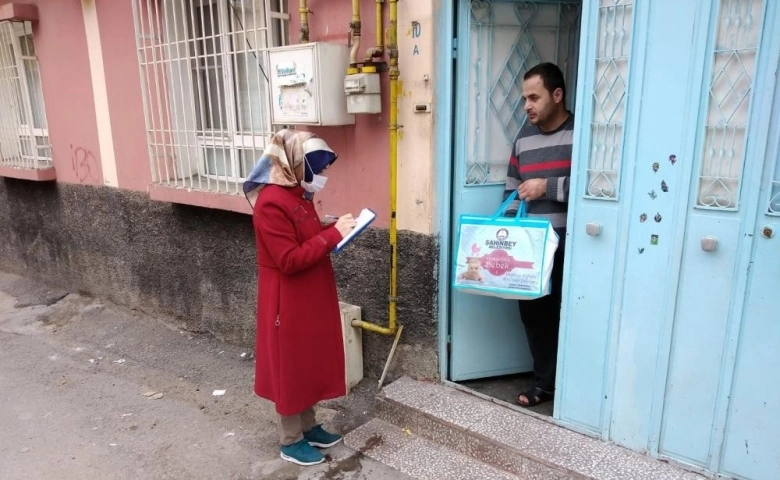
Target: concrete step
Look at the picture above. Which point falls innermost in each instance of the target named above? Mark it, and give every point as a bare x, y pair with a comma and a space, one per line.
525, 445
416, 456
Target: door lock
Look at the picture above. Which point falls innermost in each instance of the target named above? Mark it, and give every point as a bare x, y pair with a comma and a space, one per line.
767, 232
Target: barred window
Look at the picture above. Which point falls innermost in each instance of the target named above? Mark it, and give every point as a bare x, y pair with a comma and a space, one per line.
204, 73
24, 137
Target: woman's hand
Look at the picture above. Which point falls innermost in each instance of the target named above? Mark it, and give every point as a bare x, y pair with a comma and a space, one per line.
345, 224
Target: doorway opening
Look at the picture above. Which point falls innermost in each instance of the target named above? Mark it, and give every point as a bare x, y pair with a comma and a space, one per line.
498, 41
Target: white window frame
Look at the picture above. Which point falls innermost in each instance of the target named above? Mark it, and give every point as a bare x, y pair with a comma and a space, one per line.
180, 101
24, 141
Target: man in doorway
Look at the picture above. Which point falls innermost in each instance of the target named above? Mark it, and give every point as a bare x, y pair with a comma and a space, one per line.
539, 170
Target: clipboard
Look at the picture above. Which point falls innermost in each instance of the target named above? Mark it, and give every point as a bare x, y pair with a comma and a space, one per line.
363, 221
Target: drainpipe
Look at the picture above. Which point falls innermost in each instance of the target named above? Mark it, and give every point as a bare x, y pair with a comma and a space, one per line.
393, 328
304, 10
379, 49
354, 28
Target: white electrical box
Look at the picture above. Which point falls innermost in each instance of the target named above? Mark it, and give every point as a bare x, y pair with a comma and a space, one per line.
306, 84
363, 93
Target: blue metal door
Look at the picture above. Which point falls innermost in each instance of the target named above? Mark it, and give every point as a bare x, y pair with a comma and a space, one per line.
751, 443
497, 42
720, 341
670, 334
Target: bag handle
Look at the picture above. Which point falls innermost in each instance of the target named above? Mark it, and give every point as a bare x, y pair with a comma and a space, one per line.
522, 211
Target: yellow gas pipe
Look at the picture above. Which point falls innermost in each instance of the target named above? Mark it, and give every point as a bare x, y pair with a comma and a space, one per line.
304, 11
354, 28
393, 328
379, 49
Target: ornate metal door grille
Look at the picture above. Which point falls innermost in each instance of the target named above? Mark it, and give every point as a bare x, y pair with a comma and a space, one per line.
610, 93
507, 38
734, 56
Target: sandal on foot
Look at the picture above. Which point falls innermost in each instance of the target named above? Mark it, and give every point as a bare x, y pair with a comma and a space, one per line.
535, 396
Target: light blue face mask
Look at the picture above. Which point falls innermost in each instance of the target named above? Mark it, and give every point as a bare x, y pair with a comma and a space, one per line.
317, 182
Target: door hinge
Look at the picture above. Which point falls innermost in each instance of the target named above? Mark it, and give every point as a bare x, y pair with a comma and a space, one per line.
454, 48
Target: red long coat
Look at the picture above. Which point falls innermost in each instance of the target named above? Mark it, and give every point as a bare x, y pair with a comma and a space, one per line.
300, 349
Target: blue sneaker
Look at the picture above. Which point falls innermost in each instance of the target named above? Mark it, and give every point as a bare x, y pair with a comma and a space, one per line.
319, 437
302, 453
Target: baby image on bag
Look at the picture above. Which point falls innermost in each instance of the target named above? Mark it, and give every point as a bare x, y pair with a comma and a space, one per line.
473, 270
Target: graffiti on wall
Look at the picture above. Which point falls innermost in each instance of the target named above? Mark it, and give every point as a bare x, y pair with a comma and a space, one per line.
84, 164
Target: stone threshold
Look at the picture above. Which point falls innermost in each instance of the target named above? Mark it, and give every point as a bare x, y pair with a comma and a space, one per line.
513, 441
417, 456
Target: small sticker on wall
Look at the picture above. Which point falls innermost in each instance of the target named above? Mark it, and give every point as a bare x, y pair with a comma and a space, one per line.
656, 166
643, 218
641, 250
672, 159
664, 186
652, 194
653, 239
657, 218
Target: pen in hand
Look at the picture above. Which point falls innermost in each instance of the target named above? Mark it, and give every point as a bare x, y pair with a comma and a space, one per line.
345, 224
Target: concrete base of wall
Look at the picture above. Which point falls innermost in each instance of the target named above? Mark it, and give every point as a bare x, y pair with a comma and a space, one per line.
197, 266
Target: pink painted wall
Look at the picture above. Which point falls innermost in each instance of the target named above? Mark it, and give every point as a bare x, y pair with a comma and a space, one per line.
123, 84
61, 45
360, 177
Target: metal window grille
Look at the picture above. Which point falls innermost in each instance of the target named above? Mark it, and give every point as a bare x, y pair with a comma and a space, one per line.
610, 92
731, 89
204, 74
24, 137
506, 39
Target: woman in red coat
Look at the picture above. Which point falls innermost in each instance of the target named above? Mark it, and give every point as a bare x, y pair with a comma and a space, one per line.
300, 349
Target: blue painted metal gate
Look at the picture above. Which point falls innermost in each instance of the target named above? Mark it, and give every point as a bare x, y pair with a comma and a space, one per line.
670, 341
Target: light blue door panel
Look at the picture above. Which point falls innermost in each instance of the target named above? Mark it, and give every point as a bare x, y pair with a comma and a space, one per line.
657, 190
487, 335
752, 434
752, 446
584, 343
498, 42
699, 335
593, 259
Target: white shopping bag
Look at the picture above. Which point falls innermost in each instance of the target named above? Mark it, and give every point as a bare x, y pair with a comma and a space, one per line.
504, 257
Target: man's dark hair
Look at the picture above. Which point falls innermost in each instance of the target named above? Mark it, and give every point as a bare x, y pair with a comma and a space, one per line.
551, 75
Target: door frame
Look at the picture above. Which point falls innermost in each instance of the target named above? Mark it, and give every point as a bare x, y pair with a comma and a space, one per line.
444, 123
449, 49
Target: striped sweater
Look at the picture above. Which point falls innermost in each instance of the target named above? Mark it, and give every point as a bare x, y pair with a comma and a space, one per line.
538, 154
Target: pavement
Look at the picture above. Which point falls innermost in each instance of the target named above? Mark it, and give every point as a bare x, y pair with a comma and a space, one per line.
93, 390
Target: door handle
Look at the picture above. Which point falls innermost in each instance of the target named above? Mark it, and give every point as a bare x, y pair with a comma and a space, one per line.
709, 243
593, 229
767, 232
